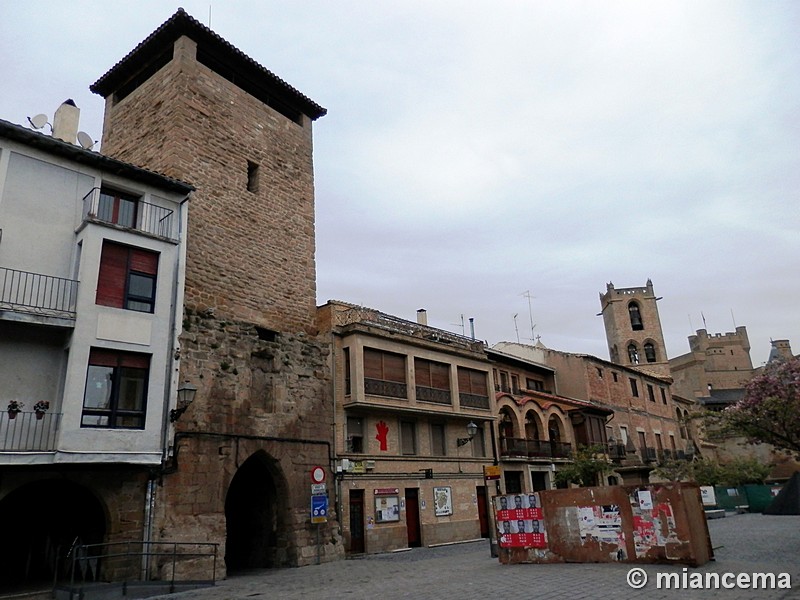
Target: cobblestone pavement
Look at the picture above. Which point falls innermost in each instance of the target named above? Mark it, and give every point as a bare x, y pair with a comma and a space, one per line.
745, 543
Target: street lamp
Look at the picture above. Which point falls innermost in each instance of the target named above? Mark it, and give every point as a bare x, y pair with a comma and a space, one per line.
186, 393
472, 429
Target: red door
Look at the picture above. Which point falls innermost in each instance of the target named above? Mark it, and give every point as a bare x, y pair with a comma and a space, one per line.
357, 521
483, 517
412, 518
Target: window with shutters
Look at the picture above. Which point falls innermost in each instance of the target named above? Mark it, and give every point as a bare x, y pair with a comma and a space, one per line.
432, 381
355, 434
127, 277
384, 374
473, 391
478, 444
408, 437
116, 389
438, 439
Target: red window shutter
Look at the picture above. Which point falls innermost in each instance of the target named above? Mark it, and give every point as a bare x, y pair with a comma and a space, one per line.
440, 376
112, 358
373, 366
144, 261
478, 381
112, 276
464, 386
103, 358
394, 367
422, 372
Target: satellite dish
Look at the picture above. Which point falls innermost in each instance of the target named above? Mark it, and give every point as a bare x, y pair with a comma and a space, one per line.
38, 121
85, 140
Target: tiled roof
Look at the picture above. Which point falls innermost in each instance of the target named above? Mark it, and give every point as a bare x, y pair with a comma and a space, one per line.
179, 24
87, 157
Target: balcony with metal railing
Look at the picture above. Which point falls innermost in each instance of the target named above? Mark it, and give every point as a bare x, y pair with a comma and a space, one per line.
390, 389
36, 294
532, 448
29, 431
132, 214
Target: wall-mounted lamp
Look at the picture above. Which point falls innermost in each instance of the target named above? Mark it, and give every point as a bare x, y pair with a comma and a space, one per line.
186, 393
472, 429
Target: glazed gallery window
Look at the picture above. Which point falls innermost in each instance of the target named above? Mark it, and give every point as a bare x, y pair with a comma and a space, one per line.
116, 389
117, 208
127, 278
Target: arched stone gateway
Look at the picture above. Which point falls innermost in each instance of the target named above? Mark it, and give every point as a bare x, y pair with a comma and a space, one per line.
41, 520
255, 516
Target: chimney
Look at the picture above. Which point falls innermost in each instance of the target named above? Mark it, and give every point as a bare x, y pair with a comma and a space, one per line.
472, 327
422, 317
65, 122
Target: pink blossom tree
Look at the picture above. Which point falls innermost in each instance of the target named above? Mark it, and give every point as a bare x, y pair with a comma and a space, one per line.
770, 409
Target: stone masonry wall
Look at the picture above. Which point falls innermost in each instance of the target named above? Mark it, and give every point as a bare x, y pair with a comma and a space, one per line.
249, 342
250, 253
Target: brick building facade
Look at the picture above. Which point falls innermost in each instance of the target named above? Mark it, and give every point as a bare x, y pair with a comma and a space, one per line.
410, 471
187, 103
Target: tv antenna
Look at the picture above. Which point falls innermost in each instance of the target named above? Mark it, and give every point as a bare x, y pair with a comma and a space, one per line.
463, 331
515, 326
527, 294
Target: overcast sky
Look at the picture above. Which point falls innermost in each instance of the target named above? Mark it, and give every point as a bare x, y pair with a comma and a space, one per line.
479, 158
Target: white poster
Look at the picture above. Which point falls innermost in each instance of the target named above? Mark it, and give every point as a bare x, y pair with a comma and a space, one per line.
442, 501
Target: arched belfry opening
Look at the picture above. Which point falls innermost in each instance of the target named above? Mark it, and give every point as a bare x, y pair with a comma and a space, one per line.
254, 514
43, 519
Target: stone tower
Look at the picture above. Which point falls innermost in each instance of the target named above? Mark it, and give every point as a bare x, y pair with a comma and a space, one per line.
633, 328
188, 104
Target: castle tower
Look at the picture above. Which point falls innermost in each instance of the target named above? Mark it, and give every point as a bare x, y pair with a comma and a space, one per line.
188, 104
633, 328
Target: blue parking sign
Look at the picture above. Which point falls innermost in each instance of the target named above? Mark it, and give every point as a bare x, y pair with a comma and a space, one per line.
319, 509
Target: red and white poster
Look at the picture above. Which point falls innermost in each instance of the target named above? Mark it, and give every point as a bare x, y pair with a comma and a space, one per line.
520, 523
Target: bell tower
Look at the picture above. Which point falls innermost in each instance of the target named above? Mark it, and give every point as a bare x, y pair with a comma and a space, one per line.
633, 328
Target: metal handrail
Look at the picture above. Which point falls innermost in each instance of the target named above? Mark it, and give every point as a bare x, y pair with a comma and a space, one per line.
89, 552
47, 295
29, 431
149, 218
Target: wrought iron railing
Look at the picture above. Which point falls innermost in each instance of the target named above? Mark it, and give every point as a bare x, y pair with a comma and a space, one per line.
29, 431
649, 454
437, 395
134, 564
378, 387
532, 448
473, 400
145, 217
23, 291
616, 451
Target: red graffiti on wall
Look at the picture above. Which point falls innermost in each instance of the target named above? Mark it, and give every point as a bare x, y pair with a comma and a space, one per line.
383, 430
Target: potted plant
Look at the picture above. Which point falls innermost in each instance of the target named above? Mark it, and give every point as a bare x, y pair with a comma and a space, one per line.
14, 407
40, 408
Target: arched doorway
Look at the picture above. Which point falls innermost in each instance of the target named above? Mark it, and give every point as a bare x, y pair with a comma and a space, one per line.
254, 521
43, 519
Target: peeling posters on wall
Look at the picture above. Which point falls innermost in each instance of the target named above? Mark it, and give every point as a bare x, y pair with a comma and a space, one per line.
653, 524
603, 524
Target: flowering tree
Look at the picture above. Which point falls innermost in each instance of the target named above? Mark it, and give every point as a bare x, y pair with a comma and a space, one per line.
770, 409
